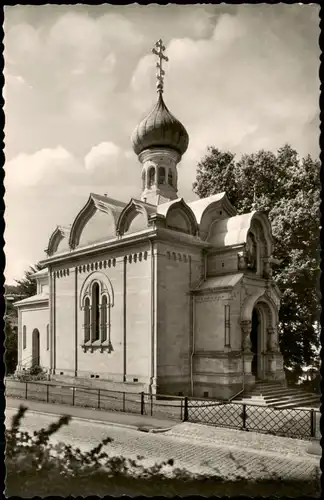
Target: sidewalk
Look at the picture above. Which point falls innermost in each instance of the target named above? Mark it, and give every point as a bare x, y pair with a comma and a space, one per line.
116, 418
184, 431
198, 448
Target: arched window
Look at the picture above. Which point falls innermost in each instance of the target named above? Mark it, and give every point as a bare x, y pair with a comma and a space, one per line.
24, 337
96, 300
95, 312
87, 320
161, 179
170, 178
47, 337
151, 176
251, 252
104, 317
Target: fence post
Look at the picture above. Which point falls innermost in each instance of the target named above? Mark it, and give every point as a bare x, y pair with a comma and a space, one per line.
98, 399
185, 412
124, 398
181, 408
73, 396
244, 415
47, 393
151, 405
26, 391
142, 403
312, 426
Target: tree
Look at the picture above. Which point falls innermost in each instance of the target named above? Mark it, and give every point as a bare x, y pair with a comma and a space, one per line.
287, 188
27, 286
24, 288
10, 343
35, 466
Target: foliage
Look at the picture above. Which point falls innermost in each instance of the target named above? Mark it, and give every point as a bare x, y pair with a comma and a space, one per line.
33, 373
24, 288
287, 188
35, 466
27, 286
10, 330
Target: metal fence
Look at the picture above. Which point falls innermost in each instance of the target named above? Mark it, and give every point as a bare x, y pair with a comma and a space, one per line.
97, 398
295, 423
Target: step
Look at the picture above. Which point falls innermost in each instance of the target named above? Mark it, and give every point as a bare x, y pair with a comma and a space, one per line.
249, 402
272, 391
275, 395
282, 394
265, 385
295, 402
272, 401
300, 404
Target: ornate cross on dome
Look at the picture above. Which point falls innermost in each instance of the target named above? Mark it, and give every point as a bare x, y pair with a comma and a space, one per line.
160, 71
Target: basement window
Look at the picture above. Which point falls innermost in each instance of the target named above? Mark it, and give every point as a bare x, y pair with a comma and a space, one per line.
135, 379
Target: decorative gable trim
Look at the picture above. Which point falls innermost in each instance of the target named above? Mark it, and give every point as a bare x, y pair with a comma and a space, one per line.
202, 206
58, 235
94, 203
130, 211
181, 206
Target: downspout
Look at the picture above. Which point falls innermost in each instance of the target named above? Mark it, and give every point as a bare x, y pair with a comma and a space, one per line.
124, 318
54, 323
152, 317
51, 319
193, 317
193, 345
76, 323
243, 380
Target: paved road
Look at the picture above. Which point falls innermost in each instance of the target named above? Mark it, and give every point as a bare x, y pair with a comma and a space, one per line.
195, 456
127, 419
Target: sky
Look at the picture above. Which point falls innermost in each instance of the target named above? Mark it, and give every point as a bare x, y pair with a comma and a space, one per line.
78, 79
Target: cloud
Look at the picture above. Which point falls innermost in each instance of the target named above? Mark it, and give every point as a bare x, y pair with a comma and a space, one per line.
79, 79
44, 167
49, 188
246, 83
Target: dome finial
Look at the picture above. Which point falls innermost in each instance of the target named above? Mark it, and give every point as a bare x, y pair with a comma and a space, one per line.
158, 51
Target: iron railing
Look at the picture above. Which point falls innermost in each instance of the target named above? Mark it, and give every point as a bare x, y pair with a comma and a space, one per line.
295, 423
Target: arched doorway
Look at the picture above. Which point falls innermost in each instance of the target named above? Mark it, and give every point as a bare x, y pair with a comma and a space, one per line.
35, 348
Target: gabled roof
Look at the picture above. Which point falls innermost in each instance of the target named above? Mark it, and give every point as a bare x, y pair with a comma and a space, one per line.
35, 299
231, 231
42, 272
57, 236
234, 230
180, 203
225, 281
95, 202
164, 207
200, 206
130, 210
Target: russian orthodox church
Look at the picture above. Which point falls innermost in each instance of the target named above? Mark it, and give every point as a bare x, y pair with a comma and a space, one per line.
157, 294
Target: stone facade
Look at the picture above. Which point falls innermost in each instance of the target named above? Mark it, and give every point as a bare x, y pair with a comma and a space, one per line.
180, 315
158, 294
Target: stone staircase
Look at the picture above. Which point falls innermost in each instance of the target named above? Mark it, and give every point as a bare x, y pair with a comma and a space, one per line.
275, 395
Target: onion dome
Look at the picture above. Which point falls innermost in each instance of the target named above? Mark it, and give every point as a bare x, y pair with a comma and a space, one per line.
160, 129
